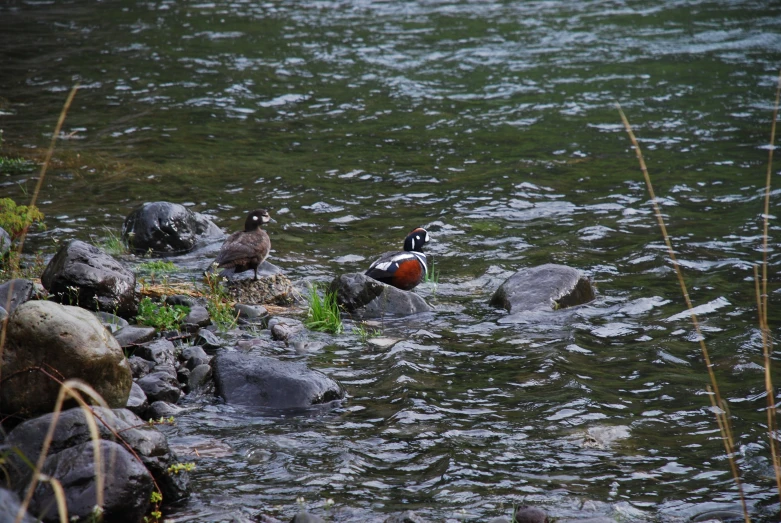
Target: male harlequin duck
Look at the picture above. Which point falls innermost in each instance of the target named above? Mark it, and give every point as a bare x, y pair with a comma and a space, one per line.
245, 250
403, 269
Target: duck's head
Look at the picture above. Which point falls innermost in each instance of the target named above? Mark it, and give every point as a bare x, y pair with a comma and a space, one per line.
416, 240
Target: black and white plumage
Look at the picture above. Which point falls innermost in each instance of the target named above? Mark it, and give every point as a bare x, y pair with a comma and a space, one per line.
403, 269
246, 250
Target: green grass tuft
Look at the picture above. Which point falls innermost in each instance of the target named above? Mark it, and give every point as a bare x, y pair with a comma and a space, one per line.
218, 303
432, 274
157, 266
160, 315
323, 314
112, 244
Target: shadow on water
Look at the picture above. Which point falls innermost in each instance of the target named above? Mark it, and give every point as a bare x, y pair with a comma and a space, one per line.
492, 124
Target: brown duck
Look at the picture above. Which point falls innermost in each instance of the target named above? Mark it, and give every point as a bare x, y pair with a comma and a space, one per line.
245, 250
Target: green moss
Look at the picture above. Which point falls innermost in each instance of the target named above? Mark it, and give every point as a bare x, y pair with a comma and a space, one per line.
160, 315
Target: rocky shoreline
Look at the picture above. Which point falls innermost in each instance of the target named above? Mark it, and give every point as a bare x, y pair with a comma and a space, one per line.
80, 326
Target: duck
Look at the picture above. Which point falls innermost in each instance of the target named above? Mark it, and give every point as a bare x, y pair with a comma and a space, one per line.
403, 269
246, 250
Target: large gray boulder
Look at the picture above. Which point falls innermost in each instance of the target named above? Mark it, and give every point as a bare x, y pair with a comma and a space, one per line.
547, 287
126, 489
66, 342
5, 242
259, 381
166, 228
83, 275
149, 444
367, 297
9, 507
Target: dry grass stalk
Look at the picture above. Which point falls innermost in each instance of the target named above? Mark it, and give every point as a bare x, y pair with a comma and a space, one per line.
762, 303
69, 389
719, 405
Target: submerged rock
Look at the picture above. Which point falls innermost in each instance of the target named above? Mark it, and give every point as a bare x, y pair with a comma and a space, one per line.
67, 342
15, 292
358, 293
547, 287
83, 275
259, 381
166, 228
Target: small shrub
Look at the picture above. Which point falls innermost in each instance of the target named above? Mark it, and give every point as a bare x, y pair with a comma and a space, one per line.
218, 302
160, 315
323, 314
16, 219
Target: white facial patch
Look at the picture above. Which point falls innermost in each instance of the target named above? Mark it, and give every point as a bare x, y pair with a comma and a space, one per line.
413, 242
255, 218
427, 238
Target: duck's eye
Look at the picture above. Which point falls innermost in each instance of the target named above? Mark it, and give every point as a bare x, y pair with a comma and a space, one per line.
255, 218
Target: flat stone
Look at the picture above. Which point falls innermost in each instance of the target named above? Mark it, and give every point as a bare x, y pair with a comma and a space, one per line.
250, 312
161, 351
547, 287
198, 315
160, 386
208, 340
134, 335
382, 342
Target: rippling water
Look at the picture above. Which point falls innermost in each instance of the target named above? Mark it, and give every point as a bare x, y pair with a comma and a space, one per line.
493, 124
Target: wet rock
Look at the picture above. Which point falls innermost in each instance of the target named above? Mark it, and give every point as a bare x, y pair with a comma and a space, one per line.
170, 370
71, 343
127, 484
139, 366
137, 402
182, 374
160, 386
527, 514
304, 517
194, 356
250, 312
82, 274
9, 507
358, 293
199, 377
406, 517
286, 329
17, 291
275, 289
198, 315
547, 287
147, 441
112, 322
179, 299
382, 342
259, 381
208, 340
161, 351
499, 520
5, 242
134, 335
162, 409
268, 519
3, 314
166, 228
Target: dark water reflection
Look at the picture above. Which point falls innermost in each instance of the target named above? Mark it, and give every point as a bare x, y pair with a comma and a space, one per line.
493, 124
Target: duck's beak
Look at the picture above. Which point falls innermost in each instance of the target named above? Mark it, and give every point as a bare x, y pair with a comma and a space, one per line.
271, 220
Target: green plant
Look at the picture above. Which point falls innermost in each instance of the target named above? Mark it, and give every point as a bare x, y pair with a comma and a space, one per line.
157, 266
160, 315
432, 274
178, 468
323, 314
364, 333
112, 243
16, 219
218, 302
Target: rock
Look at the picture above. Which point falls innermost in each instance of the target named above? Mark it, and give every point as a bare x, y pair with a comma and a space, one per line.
3, 315
134, 334
160, 386
198, 315
259, 381
137, 402
182, 374
162, 409
547, 287
194, 356
499, 520
275, 289
357, 293
112, 322
199, 376
527, 514
146, 441
179, 299
9, 505
127, 484
166, 228
17, 291
208, 340
303, 517
406, 517
170, 370
250, 312
382, 342
139, 366
5, 242
267, 519
285, 329
82, 274
161, 351
71, 343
